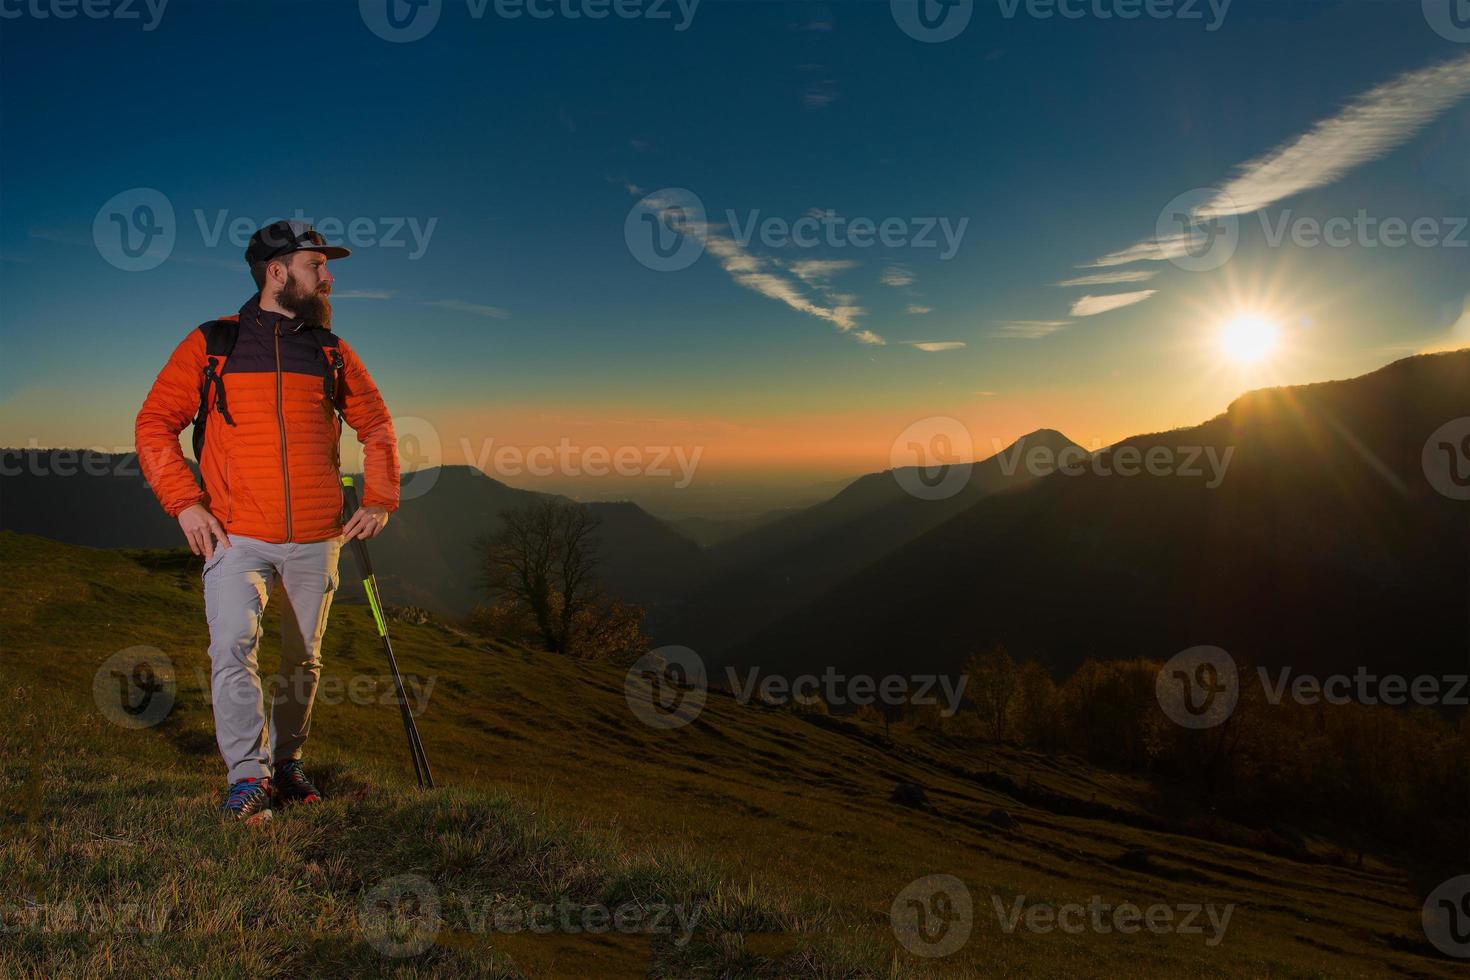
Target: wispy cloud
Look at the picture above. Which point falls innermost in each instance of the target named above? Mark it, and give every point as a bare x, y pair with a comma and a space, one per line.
817, 19
932, 346
1368, 127
819, 271
1111, 278
819, 94
896, 276
918, 310
1093, 305
1029, 329
772, 278
1152, 250
757, 274
478, 309
1371, 125
363, 294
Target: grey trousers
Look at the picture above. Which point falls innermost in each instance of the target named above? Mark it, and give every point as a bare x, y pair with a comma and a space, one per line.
238, 582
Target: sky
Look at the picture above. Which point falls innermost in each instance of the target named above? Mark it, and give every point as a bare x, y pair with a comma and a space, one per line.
647, 232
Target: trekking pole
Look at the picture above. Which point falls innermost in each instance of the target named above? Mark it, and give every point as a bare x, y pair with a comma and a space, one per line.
370, 586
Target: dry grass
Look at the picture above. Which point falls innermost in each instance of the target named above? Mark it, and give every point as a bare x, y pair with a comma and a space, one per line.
776, 828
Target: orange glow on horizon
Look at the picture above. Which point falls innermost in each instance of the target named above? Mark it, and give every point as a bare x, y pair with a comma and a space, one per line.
798, 445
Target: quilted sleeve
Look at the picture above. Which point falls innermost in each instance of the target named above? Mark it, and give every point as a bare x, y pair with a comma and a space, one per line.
363, 408
169, 407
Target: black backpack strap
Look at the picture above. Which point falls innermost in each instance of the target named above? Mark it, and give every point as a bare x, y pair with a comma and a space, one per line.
219, 344
331, 351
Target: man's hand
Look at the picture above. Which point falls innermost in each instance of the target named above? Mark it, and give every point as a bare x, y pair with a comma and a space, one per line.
366, 523
201, 530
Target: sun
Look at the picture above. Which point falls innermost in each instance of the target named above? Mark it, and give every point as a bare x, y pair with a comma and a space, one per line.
1249, 338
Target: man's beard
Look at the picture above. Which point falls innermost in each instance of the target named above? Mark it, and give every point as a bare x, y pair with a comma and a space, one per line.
310, 306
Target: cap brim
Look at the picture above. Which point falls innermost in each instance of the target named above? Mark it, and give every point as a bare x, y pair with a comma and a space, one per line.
330, 251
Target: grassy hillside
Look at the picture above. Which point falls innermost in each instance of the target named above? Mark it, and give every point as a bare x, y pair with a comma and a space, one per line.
761, 821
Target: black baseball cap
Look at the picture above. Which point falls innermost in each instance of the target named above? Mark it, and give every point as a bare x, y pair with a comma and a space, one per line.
284, 237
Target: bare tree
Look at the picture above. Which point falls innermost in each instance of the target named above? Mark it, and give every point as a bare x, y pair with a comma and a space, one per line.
543, 557
993, 686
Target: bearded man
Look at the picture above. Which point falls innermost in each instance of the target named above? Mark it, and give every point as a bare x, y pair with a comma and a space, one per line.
267, 390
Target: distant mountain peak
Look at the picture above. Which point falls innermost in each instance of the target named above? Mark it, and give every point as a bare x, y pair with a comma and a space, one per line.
1050, 438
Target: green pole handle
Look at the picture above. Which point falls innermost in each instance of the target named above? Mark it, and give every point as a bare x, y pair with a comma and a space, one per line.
360, 552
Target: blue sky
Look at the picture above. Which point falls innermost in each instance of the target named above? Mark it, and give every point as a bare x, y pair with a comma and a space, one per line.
526, 142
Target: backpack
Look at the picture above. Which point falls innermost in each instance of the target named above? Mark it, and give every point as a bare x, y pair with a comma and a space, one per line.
219, 343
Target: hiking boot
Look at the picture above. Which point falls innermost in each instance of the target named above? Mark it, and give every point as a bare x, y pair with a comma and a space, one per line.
248, 801
291, 785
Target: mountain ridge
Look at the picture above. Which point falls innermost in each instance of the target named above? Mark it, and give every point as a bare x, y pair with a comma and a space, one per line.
1305, 533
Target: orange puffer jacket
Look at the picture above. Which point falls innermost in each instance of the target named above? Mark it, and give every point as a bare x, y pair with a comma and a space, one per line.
275, 474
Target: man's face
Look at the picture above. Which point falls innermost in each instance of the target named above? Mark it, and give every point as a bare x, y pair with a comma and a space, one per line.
307, 286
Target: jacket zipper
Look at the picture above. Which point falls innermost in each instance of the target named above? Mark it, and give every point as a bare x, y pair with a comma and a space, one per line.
281, 419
